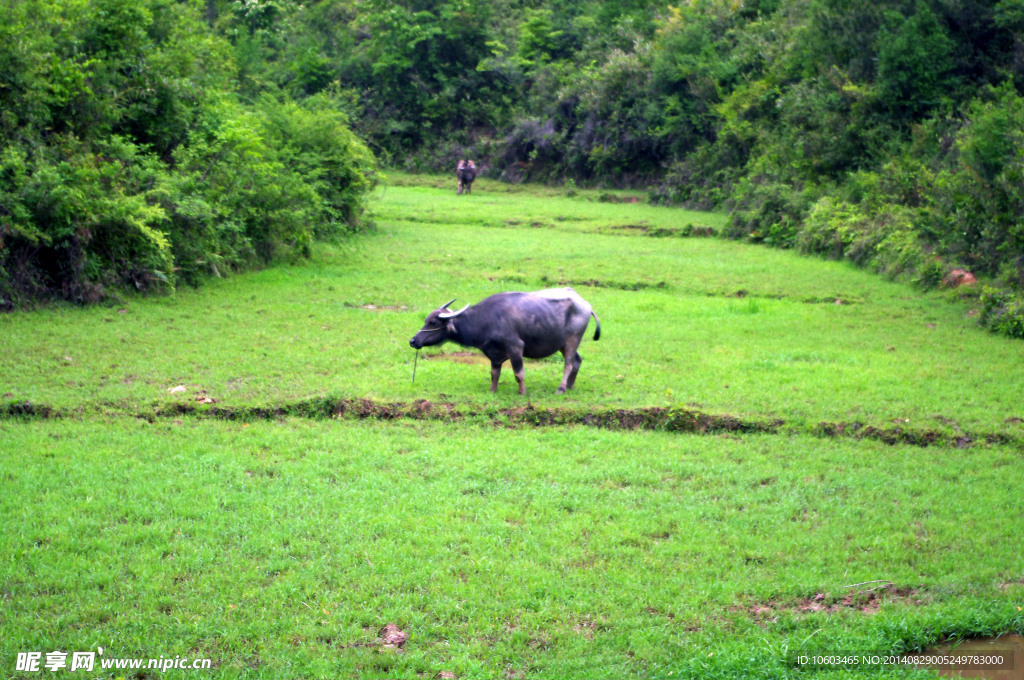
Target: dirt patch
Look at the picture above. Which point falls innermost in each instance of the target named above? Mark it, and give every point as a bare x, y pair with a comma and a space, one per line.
459, 358
676, 419
652, 418
612, 198
477, 358
536, 224
601, 283
586, 627
27, 409
830, 300
378, 308
825, 300
890, 435
511, 278
391, 637
864, 602
662, 232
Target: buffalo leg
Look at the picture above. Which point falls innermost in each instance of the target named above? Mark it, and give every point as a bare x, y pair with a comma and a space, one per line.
495, 374
516, 359
575, 369
572, 364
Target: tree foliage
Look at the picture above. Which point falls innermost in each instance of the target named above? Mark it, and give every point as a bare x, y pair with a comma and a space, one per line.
129, 159
884, 132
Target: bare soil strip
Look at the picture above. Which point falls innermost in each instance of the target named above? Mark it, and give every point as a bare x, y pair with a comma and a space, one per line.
645, 418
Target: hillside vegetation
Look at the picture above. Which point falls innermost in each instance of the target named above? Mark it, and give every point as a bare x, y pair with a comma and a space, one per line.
887, 133
154, 142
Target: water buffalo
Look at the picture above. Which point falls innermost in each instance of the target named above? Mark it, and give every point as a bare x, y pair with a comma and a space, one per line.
466, 173
516, 325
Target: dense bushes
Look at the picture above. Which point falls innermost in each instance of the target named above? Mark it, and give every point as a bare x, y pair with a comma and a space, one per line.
889, 135
1002, 312
257, 179
955, 192
128, 160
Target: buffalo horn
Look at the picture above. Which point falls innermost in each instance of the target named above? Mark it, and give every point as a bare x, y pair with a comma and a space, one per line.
445, 305
450, 315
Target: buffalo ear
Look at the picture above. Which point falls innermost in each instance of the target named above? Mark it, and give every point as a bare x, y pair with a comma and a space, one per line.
451, 326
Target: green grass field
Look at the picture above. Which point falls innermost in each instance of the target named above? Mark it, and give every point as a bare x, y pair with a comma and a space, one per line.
301, 493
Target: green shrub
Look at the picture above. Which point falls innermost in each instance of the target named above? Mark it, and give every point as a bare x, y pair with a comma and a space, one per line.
769, 211
262, 178
980, 196
884, 239
931, 273
830, 229
1002, 311
79, 221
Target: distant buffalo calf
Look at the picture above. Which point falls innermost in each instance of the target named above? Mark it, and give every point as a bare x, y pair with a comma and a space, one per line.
466, 173
516, 325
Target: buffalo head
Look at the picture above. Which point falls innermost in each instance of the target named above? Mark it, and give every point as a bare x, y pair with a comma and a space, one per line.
437, 327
